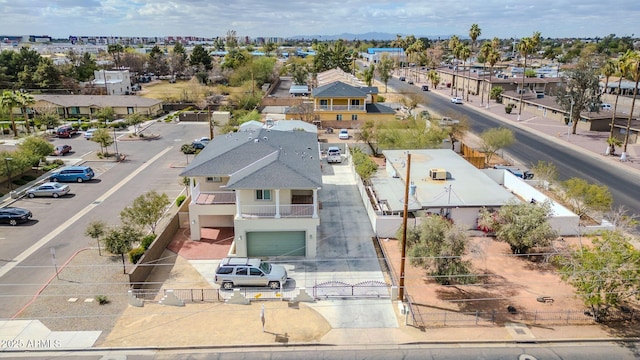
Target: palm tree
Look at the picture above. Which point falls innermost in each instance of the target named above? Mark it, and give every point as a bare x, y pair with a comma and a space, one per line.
615, 66
25, 99
434, 78
492, 59
485, 49
465, 54
9, 100
608, 69
453, 46
526, 46
474, 33
634, 72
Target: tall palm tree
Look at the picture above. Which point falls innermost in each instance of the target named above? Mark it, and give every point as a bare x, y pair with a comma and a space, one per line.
608, 69
465, 54
492, 59
622, 65
9, 100
474, 33
526, 46
634, 73
485, 49
25, 99
453, 45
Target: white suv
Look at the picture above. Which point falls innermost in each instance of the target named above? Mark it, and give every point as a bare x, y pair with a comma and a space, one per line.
237, 271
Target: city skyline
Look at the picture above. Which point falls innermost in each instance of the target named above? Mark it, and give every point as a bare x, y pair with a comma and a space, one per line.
147, 18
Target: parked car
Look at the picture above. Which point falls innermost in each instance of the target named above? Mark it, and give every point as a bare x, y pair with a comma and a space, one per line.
456, 100
73, 173
425, 88
606, 107
410, 82
344, 134
237, 271
334, 155
89, 133
61, 150
53, 189
14, 216
199, 145
66, 131
402, 78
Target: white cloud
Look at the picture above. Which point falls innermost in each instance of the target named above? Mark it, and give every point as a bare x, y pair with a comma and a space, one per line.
208, 18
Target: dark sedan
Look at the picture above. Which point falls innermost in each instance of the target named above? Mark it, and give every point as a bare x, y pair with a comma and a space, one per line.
14, 216
61, 150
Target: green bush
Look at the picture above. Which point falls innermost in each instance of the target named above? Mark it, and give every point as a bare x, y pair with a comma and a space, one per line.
136, 254
102, 299
147, 240
84, 126
180, 200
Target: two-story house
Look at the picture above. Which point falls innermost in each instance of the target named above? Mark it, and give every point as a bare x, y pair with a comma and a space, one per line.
262, 182
340, 105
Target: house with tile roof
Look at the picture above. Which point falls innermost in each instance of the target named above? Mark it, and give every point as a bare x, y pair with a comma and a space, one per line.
264, 184
343, 106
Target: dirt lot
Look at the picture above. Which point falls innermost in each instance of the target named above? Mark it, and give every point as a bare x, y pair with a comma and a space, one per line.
504, 280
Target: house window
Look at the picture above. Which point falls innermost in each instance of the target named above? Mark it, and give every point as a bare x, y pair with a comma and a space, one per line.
215, 179
339, 117
74, 110
324, 102
130, 110
263, 194
354, 117
355, 102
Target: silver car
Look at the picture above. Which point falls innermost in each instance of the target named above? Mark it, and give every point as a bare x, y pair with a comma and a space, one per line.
49, 189
237, 271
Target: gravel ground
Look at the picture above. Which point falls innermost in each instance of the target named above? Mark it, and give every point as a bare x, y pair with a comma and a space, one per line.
85, 276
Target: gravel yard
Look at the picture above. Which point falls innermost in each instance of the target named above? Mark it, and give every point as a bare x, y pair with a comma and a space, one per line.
86, 276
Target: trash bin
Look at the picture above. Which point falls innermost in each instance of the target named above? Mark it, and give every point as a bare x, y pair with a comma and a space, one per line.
14, 194
118, 157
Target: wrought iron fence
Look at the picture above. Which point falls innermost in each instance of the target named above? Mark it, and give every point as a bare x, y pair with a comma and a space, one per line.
365, 289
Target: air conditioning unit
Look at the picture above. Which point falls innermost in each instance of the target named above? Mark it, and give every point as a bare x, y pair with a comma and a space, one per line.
438, 174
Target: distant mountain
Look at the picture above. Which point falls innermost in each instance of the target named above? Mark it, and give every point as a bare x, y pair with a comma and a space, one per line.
367, 36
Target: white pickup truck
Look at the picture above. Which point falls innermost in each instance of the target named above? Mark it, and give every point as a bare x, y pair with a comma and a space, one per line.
334, 155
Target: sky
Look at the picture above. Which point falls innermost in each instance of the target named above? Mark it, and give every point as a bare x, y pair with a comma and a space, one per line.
285, 18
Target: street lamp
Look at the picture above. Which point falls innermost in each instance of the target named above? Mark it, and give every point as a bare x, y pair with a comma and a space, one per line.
6, 161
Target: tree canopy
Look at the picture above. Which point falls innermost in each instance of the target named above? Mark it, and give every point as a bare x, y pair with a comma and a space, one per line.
438, 246
606, 274
146, 210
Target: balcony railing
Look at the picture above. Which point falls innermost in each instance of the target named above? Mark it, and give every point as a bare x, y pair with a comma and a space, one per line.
216, 198
269, 211
341, 107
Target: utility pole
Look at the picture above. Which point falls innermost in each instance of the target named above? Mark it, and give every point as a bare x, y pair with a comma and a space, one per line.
404, 229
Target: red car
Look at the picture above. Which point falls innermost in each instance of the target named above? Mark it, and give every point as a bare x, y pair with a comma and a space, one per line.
61, 150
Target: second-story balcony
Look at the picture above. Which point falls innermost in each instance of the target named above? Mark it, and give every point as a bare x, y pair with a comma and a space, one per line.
269, 211
340, 108
216, 198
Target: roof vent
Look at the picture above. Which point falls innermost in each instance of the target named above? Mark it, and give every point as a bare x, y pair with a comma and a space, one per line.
265, 138
256, 140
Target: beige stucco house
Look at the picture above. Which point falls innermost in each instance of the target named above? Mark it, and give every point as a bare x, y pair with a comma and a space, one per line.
264, 184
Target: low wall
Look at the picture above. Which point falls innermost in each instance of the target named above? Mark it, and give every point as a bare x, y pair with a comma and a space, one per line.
138, 275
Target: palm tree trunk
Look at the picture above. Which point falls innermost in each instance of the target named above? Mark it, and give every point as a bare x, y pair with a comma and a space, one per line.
13, 123
612, 147
26, 120
489, 89
633, 104
524, 71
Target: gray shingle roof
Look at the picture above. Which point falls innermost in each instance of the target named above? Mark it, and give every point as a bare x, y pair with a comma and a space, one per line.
261, 159
341, 90
379, 109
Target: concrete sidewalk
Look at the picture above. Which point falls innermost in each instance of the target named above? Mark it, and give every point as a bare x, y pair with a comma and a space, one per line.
591, 143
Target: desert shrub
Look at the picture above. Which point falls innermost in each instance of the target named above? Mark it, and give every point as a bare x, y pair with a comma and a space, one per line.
102, 299
147, 240
136, 254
